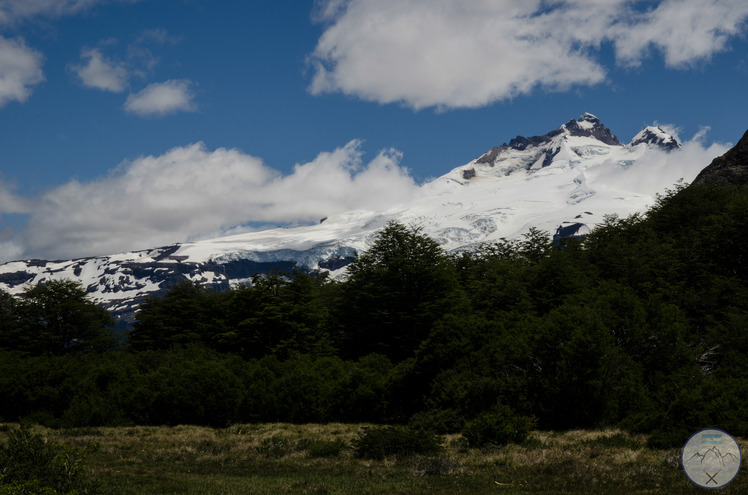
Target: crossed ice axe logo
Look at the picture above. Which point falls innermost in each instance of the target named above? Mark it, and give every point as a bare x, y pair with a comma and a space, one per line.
711, 478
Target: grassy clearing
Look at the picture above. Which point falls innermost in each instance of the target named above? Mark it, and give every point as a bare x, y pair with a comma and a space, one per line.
318, 459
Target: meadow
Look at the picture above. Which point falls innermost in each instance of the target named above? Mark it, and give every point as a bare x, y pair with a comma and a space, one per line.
319, 459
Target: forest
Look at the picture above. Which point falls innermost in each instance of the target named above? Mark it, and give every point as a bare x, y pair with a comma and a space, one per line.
640, 325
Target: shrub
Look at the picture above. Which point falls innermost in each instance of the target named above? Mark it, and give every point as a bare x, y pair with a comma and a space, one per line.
499, 426
32, 465
321, 448
27, 488
378, 443
275, 447
668, 438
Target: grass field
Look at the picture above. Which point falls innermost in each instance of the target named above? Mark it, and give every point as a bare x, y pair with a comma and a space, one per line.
318, 459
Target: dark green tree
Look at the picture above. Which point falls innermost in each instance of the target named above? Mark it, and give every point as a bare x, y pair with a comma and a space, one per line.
185, 314
57, 317
395, 292
11, 333
278, 313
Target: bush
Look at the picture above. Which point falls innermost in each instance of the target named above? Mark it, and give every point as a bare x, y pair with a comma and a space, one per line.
499, 426
321, 448
275, 447
27, 488
32, 465
668, 438
378, 443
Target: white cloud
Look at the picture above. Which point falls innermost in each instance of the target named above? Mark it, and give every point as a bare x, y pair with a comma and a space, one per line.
191, 192
451, 53
685, 31
20, 69
656, 167
11, 202
160, 99
113, 74
100, 72
325, 10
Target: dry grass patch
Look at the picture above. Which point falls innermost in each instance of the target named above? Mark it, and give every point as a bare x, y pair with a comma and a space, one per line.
235, 460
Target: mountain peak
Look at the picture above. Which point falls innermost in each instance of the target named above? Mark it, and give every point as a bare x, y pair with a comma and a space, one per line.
730, 168
656, 136
590, 126
587, 125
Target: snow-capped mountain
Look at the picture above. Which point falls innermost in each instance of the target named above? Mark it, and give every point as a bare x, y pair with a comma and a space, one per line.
563, 182
656, 136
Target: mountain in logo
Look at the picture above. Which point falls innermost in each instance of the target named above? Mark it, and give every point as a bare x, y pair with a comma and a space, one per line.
713, 456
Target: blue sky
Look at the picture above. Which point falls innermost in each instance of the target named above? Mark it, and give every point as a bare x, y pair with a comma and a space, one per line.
128, 124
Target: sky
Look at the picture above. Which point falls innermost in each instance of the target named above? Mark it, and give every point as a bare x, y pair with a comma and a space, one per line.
129, 124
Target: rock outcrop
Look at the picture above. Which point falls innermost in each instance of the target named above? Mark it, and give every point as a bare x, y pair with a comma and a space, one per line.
730, 168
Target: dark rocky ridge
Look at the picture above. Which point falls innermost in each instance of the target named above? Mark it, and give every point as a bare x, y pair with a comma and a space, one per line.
728, 169
598, 130
573, 128
668, 143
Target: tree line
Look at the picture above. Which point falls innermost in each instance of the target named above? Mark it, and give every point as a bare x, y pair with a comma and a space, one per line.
641, 324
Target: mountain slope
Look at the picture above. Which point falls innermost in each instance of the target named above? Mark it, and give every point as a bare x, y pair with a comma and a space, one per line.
564, 182
730, 168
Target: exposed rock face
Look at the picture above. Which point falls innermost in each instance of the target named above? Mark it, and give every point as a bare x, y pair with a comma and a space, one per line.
656, 136
586, 126
589, 125
730, 168
522, 142
570, 230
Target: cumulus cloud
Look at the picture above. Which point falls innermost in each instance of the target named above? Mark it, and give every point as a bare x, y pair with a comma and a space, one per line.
192, 191
655, 168
20, 69
685, 31
160, 99
10, 202
451, 53
100, 72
